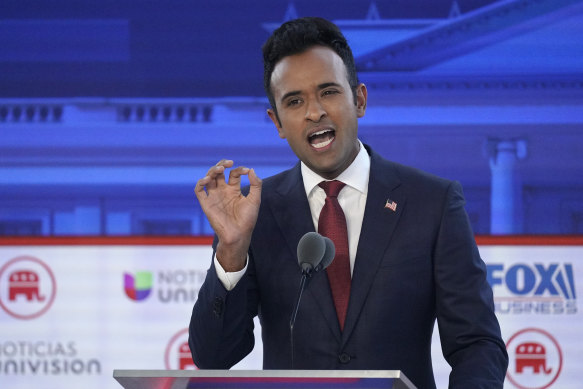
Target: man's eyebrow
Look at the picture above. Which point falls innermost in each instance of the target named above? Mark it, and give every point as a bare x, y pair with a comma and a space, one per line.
320, 87
289, 94
328, 84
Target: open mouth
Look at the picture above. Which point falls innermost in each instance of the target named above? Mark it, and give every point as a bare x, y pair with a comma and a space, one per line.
321, 139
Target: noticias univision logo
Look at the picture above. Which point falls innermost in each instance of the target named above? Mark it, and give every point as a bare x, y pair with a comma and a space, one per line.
173, 286
138, 286
533, 288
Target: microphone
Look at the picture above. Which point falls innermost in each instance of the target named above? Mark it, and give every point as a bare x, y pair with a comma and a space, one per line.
328, 255
311, 249
315, 253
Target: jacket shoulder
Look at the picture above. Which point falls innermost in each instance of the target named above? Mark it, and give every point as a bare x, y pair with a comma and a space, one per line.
412, 179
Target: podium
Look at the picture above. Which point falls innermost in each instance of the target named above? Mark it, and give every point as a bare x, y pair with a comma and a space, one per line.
256, 379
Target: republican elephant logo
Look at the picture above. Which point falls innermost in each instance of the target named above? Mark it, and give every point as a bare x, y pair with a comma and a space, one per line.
533, 355
24, 282
185, 358
27, 287
535, 359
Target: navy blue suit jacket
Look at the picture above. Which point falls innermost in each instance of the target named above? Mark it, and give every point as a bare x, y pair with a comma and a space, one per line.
413, 265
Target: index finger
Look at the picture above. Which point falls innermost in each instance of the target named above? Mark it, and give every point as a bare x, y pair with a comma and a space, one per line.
235, 175
225, 162
217, 173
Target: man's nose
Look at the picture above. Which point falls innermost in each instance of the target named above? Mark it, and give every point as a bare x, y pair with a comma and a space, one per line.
315, 111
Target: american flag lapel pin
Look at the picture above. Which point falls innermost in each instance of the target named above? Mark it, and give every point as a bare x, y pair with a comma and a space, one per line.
390, 204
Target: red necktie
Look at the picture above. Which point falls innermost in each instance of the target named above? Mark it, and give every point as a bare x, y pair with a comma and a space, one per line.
332, 223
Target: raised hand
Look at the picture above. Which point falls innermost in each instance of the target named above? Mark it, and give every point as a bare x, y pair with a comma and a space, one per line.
231, 214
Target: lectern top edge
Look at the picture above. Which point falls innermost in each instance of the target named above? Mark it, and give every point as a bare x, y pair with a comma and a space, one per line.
261, 373
187, 379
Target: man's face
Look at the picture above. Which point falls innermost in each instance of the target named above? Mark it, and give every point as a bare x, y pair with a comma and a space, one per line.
317, 110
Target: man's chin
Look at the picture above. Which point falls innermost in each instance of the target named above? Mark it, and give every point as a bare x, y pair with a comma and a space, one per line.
328, 171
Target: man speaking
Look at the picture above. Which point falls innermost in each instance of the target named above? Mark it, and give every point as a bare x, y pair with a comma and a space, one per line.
405, 254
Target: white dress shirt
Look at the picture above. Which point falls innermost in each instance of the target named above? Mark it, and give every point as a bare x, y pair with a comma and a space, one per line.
352, 199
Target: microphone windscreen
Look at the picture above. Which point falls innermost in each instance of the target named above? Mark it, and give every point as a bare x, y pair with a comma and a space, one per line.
329, 254
311, 249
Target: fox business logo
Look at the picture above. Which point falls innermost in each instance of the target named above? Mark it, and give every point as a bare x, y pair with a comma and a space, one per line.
538, 288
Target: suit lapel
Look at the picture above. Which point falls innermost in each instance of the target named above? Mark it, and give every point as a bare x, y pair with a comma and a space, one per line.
292, 213
290, 208
377, 227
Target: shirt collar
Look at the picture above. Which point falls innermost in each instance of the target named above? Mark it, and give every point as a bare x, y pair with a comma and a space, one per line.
355, 176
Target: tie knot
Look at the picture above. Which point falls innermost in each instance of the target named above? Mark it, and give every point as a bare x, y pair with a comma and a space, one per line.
332, 188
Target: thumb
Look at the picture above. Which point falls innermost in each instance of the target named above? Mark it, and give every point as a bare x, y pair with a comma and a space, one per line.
255, 184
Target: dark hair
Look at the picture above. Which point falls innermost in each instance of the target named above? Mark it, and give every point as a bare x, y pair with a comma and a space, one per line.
297, 36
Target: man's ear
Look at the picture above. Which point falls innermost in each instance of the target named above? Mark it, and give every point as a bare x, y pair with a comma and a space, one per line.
361, 96
275, 119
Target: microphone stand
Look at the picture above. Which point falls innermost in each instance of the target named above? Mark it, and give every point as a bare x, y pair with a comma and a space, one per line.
315, 252
305, 274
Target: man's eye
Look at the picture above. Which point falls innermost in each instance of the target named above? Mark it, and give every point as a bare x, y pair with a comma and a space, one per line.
329, 92
293, 102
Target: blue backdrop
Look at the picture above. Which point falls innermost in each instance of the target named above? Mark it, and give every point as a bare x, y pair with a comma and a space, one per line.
111, 110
